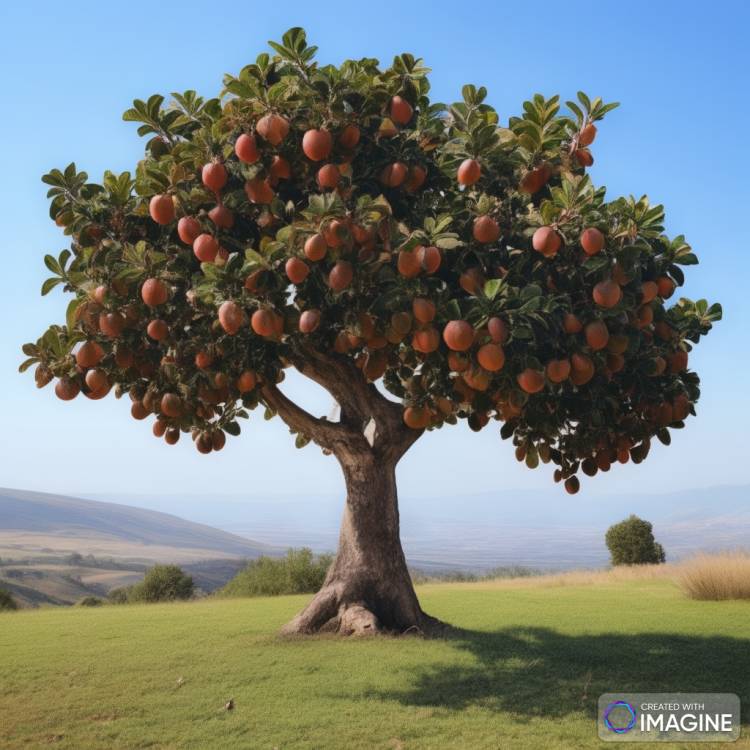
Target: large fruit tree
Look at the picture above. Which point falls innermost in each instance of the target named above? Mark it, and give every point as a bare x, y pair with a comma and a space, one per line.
420, 262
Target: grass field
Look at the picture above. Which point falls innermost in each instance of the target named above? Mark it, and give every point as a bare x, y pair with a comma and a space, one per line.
524, 672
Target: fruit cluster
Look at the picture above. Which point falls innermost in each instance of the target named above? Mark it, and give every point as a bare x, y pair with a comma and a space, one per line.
338, 212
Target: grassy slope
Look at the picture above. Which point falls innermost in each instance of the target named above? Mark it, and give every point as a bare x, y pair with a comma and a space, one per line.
525, 672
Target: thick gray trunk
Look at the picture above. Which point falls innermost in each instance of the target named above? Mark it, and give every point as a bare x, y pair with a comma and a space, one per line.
368, 587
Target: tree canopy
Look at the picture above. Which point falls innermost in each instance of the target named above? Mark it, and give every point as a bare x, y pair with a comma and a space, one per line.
318, 214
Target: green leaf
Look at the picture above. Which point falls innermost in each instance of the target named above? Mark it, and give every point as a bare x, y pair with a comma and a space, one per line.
50, 284
70, 313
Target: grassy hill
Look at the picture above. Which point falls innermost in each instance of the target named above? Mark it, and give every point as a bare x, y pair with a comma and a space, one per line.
524, 671
32, 522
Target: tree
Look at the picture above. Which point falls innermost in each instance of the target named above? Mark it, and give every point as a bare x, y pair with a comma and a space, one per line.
422, 263
631, 542
7, 602
162, 583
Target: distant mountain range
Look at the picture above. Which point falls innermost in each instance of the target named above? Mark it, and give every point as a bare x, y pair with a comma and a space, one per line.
545, 529
34, 523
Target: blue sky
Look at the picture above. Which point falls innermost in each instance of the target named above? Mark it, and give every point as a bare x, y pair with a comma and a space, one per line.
68, 71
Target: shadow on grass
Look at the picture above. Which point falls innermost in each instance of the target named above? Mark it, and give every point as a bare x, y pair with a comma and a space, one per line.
539, 672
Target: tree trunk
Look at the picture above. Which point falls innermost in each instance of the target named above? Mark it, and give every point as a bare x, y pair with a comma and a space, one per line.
368, 587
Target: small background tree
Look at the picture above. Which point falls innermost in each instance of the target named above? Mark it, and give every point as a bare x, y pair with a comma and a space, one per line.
420, 261
7, 602
631, 542
162, 583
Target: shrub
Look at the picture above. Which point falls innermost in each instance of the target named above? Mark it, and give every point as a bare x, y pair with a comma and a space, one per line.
90, 601
631, 542
299, 572
715, 577
162, 583
7, 602
119, 595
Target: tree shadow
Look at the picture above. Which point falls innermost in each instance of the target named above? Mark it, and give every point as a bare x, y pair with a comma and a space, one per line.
539, 672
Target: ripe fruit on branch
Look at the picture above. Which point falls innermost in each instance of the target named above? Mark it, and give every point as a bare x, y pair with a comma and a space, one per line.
335, 233
259, 191
645, 316
546, 241
416, 178
188, 228
89, 355
558, 370
581, 369
592, 241
665, 286
678, 361
171, 405
221, 216
214, 176
111, 324
316, 247
408, 264
349, 136
417, 417
231, 317
649, 290
296, 270
469, 172
272, 128
531, 380
572, 485
394, 174
203, 360
161, 208
485, 229
264, 323
535, 179
328, 176
458, 335
309, 321
607, 293
472, 280
491, 357
206, 248
584, 157
428, 257
597, 335
246, 149
426, 340
317, 144
498, 330
157, 329
423, 309
246, 381
280, 170
341, 276
400, 110
571, 324
97, 380
587, 135
67, 389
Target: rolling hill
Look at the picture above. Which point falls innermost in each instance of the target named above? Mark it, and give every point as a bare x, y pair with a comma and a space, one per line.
34, 523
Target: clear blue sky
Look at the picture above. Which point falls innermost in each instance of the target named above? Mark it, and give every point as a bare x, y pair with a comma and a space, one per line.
679, 68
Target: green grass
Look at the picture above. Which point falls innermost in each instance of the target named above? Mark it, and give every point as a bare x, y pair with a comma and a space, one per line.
525, 671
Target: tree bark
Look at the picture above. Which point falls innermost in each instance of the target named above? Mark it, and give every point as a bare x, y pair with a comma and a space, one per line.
368, 587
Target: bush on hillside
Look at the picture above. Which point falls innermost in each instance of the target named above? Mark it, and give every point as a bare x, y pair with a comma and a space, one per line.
631, 542
162, 583
7, 602
119, 595
299, 572
716, 577
90, 601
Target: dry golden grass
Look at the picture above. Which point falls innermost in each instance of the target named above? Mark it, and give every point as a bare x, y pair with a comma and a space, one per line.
722, 575
583, 577
719, 576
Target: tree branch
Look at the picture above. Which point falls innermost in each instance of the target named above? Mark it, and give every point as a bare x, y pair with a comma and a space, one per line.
328, 435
